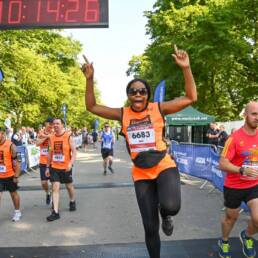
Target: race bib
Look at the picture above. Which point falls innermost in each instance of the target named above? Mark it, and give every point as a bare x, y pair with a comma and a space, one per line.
2, 168
107, 145
141, 138
44, 151
58, 158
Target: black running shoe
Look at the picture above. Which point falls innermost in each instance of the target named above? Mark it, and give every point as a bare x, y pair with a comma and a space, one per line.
167, 225
48, 199
72, 206
111, 169
53, 216
105, 172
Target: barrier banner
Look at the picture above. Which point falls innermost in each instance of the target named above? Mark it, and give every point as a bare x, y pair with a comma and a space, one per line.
33, 153
217, 174
194, 160
77, 140
22, 151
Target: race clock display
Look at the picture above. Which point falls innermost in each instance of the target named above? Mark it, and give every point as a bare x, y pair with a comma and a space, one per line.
26, 14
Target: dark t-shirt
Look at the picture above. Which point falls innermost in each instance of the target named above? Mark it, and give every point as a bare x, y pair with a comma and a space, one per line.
213, 140
223, 136
94, 136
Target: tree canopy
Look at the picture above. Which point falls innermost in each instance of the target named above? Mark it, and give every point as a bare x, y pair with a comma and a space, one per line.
221, 39
41, 73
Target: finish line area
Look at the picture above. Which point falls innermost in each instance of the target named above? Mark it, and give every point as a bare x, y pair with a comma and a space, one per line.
107, 223
201, 248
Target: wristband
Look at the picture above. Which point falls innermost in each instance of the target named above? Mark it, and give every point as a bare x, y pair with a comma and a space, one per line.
242, 170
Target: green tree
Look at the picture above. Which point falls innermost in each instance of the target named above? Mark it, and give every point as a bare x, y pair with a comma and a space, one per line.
41, 73
221, 39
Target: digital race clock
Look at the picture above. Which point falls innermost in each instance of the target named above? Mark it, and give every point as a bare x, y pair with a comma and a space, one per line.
25, 14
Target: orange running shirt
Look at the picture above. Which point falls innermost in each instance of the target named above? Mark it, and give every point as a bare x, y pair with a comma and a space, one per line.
144, 131
6, 161
61, 151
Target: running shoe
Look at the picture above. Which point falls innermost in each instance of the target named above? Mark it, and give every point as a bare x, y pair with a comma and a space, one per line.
167, 225
16, 216
53, 216
224, 249
111, 169
105, 172
72, 206
48, 199
247, 245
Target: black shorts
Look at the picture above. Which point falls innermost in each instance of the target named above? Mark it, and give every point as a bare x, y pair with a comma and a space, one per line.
7, 184
60, 175
234, 197
42, 169
106, 152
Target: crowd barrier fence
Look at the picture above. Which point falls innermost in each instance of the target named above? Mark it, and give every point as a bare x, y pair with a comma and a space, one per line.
200, 160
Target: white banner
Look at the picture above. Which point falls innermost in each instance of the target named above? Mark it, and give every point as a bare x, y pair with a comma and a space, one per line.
33, 153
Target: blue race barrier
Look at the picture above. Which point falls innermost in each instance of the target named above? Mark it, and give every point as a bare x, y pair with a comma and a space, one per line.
200, 161
22, 150
194, 160
217, 175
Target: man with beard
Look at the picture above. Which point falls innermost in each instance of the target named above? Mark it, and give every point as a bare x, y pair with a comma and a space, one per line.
239, 160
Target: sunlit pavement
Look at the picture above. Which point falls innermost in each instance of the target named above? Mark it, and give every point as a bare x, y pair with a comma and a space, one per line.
107, 222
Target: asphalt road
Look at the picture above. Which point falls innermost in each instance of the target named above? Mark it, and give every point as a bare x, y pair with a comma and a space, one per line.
107, 222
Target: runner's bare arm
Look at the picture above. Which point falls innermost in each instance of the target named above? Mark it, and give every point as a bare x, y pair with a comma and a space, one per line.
18, 161
73, 152
49, 159
41, 139
90, 100
177, 104
227, 166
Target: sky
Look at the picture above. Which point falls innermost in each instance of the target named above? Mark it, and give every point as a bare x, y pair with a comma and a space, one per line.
110, 49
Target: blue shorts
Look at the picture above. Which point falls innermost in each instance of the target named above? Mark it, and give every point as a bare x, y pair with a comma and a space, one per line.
42, 169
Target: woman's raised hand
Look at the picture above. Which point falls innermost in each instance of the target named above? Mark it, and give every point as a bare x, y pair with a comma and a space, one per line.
87, 68
181, 58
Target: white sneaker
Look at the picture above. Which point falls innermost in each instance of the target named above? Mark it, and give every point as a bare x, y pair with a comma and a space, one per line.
16, 216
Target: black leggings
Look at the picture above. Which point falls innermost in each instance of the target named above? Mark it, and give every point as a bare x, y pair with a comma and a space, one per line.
162, 193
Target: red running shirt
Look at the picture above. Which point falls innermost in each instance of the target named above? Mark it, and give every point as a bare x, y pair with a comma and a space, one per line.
241, 149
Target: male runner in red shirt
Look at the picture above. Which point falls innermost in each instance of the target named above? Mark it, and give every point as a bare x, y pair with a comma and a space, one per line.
239, 160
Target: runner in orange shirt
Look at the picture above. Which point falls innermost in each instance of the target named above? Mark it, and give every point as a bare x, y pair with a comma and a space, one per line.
10, 164
43, 142
156, 178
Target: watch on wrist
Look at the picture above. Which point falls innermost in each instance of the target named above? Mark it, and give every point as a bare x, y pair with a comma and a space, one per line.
242, 170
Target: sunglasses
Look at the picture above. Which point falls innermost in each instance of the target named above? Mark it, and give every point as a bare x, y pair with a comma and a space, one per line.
141, 91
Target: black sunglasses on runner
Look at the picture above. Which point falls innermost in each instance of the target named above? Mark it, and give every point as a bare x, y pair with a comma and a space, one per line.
141, 91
